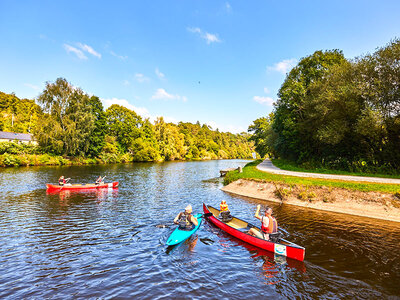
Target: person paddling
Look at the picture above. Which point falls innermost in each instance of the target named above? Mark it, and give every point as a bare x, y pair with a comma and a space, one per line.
185, 219
100, 180
62, 181
269, 225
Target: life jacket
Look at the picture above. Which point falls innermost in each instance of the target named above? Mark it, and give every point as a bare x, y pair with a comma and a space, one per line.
185, 220
272, 224
223, 207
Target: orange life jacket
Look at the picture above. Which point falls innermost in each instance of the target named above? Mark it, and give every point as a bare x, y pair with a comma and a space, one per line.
272, 224
224, 207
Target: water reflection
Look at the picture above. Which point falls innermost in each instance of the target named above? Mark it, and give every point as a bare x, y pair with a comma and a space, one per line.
106, 244
97, 194
188, 245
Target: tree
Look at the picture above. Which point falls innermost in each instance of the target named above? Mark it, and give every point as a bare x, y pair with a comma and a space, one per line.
263, 135
124, 124
96, 139
70, 121
294, 140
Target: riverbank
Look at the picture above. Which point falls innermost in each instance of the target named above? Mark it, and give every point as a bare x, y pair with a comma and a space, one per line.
380, 201
19, 160
25, 160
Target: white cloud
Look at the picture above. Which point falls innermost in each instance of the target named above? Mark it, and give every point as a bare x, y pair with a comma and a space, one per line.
194, 30
162, 94
263, 100
89, 50
266, 90
118, 56
209, 37
159, 74
226, 128
34, 87
228, 7
74, 50
141, 78
283, 66
142, 111
126, 82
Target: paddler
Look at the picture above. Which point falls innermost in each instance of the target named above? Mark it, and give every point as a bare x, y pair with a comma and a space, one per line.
62, 181
225, 214
99, 181
185, 219
268, 224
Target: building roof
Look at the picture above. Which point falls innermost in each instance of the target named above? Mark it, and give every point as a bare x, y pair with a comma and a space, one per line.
15, 136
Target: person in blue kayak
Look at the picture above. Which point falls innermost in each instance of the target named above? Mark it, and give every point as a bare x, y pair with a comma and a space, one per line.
185, 220
269, 225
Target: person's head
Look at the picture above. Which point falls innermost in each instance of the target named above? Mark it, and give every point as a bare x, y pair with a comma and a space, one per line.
223, 202
188, 209
62, 177
268, 210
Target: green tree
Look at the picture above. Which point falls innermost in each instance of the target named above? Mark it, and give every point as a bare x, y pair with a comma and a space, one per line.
124, 124
294, 140
263, 135
96, 139
70, 121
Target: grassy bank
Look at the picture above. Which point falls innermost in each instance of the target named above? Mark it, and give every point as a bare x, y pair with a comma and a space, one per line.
291, 166
251, 172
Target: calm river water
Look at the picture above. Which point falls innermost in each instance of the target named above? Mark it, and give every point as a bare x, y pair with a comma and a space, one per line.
105, 244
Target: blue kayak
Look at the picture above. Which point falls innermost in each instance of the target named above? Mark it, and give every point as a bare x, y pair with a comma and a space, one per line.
178, 236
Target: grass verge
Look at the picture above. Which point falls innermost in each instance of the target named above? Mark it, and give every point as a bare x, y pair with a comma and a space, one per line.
251, 172
291, 166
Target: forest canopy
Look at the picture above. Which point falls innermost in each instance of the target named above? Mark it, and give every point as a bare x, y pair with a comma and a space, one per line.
69, 122
338, 113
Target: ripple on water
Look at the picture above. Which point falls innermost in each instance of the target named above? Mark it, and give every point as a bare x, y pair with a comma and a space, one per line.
105, 244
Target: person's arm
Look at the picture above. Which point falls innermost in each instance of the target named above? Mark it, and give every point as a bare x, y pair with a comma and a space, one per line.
176, 218
257, 214
194, 220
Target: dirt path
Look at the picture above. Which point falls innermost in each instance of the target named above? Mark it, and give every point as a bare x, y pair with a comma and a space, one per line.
267, 166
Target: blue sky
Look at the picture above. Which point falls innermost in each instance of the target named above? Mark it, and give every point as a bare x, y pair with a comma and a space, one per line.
217, 62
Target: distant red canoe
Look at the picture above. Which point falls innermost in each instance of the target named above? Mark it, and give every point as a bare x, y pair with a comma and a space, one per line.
238, 228
56, 187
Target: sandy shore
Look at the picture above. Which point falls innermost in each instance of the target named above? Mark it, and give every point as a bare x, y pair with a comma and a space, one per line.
367, 204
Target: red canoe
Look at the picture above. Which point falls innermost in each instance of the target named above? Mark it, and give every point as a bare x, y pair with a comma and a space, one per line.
56, 187
238, 228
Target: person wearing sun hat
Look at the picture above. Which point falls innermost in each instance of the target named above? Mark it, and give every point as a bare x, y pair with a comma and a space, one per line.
185, 219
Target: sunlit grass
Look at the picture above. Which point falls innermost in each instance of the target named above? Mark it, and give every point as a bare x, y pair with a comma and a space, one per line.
251, 172
290, 166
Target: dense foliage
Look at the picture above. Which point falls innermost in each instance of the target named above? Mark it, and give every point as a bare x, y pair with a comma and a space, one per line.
338, 113
18, 115
74, 124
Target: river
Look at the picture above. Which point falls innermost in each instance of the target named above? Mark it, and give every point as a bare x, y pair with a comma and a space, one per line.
105, 244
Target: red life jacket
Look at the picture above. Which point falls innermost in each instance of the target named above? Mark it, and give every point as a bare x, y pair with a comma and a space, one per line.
272, 224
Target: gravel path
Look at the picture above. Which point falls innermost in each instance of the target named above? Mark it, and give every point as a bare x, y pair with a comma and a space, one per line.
267, 166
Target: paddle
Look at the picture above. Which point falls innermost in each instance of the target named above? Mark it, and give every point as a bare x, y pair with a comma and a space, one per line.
101, 180
66, 180
167, 225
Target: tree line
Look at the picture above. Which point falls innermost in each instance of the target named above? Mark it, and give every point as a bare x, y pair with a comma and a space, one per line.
68, 122
337, 113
